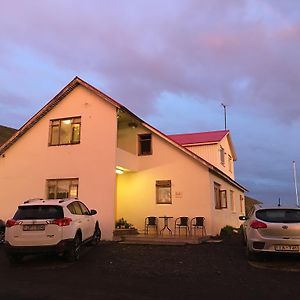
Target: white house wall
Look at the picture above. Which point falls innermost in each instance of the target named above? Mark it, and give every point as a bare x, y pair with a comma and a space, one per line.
28, 163
230, 215
136, 191
211, 153
208, 152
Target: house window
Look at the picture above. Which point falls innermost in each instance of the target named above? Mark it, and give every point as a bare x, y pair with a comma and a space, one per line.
62, 188
232, 202
242, 204
223, 196
217, 196
220, 197
230, 163
222, 156
163, 192
65, 131
145, 144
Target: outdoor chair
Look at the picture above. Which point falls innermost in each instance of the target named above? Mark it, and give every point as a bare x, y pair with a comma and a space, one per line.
151, 222
182, 222
198, 223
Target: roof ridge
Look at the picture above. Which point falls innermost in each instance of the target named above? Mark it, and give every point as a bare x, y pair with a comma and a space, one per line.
199, 132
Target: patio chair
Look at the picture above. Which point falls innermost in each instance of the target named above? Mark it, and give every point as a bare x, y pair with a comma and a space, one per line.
182, 222
198, 223
151, 222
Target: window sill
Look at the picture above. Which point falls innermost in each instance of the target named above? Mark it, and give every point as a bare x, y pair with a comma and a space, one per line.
70, 144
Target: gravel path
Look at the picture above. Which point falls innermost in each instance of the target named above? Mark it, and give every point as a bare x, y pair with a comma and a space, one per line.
117, 271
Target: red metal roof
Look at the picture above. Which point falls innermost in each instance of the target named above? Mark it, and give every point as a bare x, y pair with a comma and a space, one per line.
199, 137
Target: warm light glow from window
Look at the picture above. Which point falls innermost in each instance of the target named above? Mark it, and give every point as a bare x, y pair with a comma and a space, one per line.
65, 131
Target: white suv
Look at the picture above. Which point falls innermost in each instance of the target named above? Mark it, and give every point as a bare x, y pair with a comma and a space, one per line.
57, 225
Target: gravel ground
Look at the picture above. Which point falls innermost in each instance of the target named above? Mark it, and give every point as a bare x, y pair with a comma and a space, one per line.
115, 271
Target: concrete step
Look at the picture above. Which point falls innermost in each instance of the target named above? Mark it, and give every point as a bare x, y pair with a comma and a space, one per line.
162, 240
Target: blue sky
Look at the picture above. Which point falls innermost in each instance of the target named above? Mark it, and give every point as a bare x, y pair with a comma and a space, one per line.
173, 63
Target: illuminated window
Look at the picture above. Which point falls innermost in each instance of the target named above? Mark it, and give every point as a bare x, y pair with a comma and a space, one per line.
222, 155
163, 192
65, 131
145, 144
62, 188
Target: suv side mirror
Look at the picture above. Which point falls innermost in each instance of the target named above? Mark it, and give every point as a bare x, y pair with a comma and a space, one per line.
243, 218
93, 212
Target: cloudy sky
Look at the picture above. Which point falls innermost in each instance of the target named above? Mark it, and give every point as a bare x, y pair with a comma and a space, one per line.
173, 63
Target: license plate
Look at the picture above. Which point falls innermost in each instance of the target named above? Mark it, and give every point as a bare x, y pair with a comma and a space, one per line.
34, 227
292, 248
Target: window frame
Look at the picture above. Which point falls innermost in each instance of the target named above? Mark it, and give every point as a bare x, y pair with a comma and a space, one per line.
232, 201
140, 141
230, 163
223, 198
56, 123
163, 184
50, 183
222, 156
217, 195
220, 197
242, 204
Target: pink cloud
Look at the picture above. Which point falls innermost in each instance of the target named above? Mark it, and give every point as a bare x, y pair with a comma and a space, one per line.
144, 48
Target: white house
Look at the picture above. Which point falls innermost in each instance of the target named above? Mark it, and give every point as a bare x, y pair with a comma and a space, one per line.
79, 143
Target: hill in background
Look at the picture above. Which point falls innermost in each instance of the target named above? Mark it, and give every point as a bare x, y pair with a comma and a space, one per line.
5, 133
250, 202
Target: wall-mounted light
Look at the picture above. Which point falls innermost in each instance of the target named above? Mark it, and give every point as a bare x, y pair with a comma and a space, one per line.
119, 171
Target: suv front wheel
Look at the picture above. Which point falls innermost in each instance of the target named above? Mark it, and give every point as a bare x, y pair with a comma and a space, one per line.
96, 236
73, 253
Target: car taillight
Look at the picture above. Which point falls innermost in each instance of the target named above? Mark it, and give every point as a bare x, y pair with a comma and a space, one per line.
12, 222
258, 224
62, 222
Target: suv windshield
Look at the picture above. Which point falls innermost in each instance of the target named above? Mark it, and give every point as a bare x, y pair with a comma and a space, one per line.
39, 212
279, 215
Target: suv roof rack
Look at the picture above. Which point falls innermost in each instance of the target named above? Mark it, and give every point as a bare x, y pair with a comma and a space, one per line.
33, 199
67, 199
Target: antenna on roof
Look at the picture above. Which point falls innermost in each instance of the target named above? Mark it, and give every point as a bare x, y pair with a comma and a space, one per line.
295, 182
225, 115
279, 204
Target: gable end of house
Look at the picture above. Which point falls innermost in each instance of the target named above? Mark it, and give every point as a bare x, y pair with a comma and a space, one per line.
50, 105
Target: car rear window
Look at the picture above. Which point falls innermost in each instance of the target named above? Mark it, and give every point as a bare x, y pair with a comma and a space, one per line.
279, 215
39, 212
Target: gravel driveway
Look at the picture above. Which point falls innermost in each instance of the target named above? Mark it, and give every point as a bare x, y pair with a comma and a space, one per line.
119, 271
